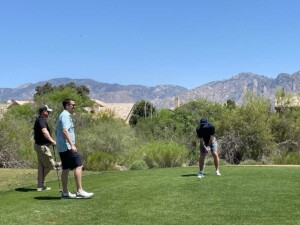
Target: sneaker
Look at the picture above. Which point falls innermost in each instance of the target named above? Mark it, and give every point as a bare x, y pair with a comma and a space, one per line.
218, 173
200, 175
84, 194
68, 195
43, 188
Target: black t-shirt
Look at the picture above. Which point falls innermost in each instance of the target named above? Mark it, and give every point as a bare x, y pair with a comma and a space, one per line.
39, 137
205, 131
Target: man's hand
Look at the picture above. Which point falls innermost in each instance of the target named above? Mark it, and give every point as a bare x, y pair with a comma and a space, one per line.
206, 149
73, 147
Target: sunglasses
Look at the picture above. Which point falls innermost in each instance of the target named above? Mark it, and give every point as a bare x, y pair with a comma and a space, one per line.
73, 105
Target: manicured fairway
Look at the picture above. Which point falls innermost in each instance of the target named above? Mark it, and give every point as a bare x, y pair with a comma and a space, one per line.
242, 195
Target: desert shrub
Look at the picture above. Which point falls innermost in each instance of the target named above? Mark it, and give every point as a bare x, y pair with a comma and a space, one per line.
133, 155
16, 145
247, 132
100, 161
160, 154
139, 165
292, 158
231, 148
106, 115
26, 112
110, 136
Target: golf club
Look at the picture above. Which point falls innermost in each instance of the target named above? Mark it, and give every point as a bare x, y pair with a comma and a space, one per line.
56, 168
206, 156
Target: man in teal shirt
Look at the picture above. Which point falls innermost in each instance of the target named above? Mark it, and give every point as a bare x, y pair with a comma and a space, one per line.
70, 158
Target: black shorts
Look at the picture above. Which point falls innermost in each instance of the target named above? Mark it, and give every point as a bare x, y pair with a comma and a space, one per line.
70, 160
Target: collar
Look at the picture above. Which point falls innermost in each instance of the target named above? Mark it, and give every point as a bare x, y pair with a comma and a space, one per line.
67, 112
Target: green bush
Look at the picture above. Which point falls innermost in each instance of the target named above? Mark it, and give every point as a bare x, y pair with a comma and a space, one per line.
159, 154
247, 133
292, 158
16, 145
133, 155
97, 135
139, 165
26, 112
100, 161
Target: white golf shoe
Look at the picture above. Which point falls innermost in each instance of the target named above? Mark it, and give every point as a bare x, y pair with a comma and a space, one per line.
44, 188
200, 175
67, 195
84, 194
218, 173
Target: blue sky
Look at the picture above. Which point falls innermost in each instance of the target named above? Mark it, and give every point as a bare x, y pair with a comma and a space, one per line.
147, 42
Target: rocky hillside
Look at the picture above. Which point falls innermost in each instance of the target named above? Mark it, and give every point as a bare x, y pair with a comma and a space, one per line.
236, 87
164, 95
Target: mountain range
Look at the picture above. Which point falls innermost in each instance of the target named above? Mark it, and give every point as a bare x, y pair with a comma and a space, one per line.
163, 96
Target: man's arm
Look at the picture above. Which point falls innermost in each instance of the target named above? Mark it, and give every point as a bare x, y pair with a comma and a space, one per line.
211, 139
212, 134
202, 142
69, 139
48, 136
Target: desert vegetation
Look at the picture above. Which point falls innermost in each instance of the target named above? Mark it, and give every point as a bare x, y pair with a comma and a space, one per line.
252, 132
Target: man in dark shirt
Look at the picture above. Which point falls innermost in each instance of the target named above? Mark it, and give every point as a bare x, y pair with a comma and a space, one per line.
43, 139
206, 132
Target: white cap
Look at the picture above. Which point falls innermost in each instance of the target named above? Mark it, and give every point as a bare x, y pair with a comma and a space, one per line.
45, 108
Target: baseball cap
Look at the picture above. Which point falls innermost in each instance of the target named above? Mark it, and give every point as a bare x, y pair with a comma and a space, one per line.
44, 108
203, 121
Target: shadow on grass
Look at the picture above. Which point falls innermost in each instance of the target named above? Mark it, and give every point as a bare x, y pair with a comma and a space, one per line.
23, 189
45, 198
189, 175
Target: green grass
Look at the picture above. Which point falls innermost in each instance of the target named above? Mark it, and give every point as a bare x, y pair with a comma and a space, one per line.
242, 195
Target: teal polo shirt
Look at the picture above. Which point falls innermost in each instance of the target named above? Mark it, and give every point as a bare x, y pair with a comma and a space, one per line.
64, 122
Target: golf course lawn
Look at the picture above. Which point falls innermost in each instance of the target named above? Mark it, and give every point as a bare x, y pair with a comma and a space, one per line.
242, 195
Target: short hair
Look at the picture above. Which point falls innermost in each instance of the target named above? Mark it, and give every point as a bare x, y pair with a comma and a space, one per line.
66, 101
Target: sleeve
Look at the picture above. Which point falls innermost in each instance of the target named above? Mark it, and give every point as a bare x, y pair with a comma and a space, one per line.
65, 122
42, 123
212, 130
198, 131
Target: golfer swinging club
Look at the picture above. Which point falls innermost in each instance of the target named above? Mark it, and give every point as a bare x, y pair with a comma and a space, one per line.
206, 132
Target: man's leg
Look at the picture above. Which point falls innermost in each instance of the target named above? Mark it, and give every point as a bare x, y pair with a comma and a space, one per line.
78, 176
45, 158
40, 170
64, 180
201, 164
40, 179
80, 192
214, 151
46, 170
201, 161
216, 159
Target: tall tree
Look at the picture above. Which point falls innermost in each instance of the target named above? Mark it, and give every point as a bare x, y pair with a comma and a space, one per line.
46, 88
142, 109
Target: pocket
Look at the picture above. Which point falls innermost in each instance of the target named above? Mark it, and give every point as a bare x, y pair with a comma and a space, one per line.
43, 149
